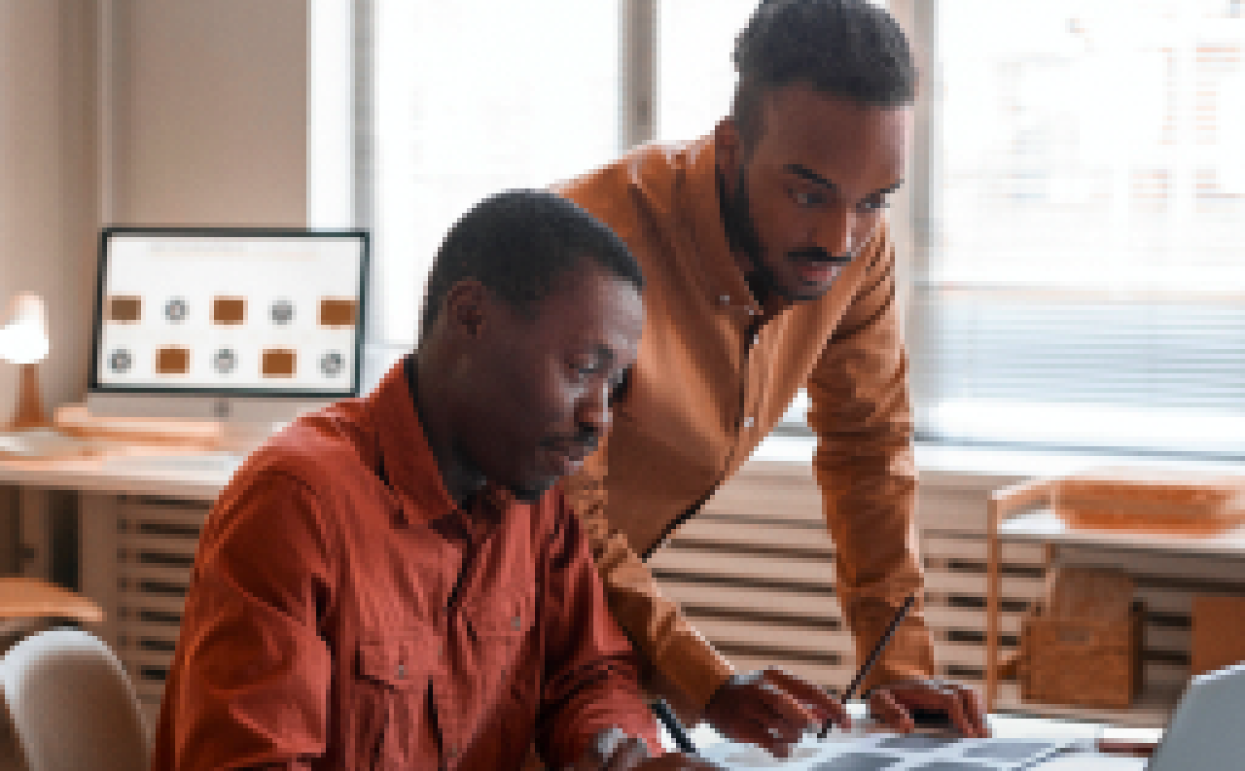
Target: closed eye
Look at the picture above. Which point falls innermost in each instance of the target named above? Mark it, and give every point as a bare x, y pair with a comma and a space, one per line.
807, 199
873, 204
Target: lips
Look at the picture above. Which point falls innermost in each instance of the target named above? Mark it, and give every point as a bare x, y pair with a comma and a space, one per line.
567, 458
817, 272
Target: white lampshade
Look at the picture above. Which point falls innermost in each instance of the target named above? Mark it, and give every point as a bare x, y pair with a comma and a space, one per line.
24, 337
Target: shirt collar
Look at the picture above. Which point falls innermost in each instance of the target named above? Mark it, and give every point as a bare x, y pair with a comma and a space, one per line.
724, 282
406, 456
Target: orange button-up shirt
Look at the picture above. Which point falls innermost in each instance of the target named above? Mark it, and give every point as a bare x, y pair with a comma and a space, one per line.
344, 613
716, 371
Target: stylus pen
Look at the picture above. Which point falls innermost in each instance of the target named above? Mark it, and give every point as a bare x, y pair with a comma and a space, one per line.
874, 655
676, 729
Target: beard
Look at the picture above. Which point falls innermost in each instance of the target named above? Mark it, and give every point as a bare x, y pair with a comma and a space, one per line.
531, 492
741, 234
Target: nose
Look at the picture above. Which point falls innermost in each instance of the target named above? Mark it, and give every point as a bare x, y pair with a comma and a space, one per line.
835, 231
593, 409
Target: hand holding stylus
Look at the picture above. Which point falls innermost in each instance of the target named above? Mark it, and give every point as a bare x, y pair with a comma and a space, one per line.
772, 709
898, 705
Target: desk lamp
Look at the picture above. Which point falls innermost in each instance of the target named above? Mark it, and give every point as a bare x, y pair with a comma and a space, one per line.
24, 341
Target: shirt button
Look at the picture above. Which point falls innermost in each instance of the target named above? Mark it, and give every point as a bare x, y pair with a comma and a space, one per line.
401, 671
515, 623
753, 311
748, 422
452, 751
724, 299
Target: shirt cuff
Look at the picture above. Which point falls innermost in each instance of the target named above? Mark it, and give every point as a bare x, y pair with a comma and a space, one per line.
695, 669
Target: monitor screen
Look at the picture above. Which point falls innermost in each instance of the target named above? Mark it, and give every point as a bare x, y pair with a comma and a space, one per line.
229, 312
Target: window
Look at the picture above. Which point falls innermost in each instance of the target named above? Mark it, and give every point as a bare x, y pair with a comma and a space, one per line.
470, 98
1082, 280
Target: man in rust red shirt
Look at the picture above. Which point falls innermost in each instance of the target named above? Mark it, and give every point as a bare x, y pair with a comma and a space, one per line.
387, 583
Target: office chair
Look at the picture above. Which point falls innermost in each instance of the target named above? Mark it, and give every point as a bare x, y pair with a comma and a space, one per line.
72, 706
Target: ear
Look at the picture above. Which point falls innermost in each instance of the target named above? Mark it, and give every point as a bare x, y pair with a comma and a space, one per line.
728, 148
466, 308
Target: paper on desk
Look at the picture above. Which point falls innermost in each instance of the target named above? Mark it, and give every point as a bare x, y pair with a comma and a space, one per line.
1092, 762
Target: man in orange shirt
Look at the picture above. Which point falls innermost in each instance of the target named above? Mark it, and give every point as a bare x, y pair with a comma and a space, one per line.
390, 582
770, 269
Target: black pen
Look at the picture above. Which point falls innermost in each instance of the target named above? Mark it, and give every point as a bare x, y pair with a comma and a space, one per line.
874, 655
676, 729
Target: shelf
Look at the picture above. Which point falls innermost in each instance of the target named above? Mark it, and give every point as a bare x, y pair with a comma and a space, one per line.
1044, 527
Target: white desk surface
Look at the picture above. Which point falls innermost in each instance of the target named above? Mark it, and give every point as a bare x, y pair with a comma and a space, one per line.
1002, 726
96, 474
1044, 527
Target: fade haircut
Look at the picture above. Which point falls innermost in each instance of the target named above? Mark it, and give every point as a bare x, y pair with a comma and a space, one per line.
518, 244
849, 49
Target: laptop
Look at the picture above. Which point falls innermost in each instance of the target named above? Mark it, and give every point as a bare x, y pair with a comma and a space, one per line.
1207, 731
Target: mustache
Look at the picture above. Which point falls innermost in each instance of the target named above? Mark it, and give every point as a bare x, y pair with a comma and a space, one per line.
818, 255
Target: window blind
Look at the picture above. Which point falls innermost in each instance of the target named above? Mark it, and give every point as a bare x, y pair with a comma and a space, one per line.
1082, 277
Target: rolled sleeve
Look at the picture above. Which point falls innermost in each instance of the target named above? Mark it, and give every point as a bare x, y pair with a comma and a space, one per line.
864, 464
682, 665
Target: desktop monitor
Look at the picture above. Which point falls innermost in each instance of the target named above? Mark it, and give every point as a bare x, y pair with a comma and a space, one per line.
248, 326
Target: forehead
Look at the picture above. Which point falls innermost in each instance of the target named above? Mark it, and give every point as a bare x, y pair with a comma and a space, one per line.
850, 144
591, 306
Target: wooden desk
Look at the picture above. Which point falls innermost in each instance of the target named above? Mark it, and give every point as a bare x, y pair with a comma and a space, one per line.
137, 529
94, 478
25, 600
1020, 514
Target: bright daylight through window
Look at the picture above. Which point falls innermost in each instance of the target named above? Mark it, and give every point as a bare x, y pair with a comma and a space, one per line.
1079, 275
1084, 281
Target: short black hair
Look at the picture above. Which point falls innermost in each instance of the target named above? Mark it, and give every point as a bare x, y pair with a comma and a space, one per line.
850, 49
518, 243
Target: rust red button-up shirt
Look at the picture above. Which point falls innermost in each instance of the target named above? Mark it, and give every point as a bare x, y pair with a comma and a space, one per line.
345, 613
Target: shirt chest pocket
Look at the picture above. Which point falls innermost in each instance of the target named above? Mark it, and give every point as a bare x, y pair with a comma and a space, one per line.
394, 669
501, 623
398, 661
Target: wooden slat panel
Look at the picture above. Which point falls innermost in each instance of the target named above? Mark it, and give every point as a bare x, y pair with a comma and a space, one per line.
749, 598
140, 630
135, 657
781, 569
802, 639
975, 549
134, 573
138, 601
975, 584
944, 618
748, 534
180, 546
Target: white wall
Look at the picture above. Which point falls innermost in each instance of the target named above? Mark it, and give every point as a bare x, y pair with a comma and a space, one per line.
48, 180
138, 112
207, 112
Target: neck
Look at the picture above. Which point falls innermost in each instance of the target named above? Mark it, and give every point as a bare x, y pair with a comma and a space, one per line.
435, 411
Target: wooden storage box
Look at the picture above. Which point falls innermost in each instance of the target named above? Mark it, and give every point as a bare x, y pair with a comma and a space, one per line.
1151, 500
1218, 633
1081, 644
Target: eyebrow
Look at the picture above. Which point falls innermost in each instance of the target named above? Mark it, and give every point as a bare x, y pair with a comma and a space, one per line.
812, 176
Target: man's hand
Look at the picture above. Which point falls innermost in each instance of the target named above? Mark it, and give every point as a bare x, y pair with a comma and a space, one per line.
892, 705
615, 750
772, 709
